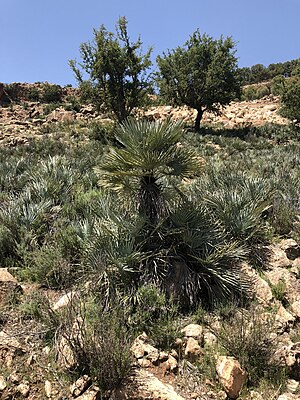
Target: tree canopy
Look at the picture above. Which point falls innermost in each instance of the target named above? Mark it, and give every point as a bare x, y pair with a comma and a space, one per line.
116, 69
202, 74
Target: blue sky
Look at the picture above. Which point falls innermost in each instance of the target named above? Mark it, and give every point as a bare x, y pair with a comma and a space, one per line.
38, 37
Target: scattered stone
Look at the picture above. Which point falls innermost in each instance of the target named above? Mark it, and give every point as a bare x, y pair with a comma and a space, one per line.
192, 349
14, 377
65, 300
24, 389
80, 386
231, 375
171, 364
48, 388
30, 360
9, 287
291, 248
3, 383
142, 349
292, 386
193, 330
209, 339
178, 342
295, 307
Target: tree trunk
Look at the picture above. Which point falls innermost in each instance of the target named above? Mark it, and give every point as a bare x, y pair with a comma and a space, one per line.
198, 119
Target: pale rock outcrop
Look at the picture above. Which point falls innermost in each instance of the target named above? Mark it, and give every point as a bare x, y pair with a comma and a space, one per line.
192, 349
140, 348
292, 284
193, 330
66, 300
3, 383
231, 375
262, 291
80, 386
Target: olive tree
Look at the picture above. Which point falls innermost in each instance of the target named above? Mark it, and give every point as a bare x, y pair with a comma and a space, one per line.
202, 74
289, 91
117, 70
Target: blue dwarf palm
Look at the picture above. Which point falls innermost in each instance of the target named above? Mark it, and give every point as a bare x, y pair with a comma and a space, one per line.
149, 157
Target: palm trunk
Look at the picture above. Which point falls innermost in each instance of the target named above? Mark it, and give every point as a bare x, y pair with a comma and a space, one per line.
198, 119
150, 200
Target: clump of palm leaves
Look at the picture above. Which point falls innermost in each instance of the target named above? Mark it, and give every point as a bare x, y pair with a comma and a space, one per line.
176, 243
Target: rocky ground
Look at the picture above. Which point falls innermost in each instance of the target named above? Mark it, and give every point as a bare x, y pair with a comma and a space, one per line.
32, 369
19, 122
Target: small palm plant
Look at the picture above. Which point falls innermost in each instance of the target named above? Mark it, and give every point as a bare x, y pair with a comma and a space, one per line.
150, 155
176, 243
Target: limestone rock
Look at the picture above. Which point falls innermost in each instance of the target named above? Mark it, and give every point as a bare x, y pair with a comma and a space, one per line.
65, 300
278, 257
48, 388
295, 307
283, 317
193, 330
292, 291
150, 387
3, 383
288, 396
66, 358
141, 348
291, 248
292, 386
231, 375
23, 389
91, 394
171, 364
80, 386
192, 349
262, 290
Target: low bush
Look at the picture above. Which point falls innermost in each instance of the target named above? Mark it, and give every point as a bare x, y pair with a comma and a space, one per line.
245, 335
100, 342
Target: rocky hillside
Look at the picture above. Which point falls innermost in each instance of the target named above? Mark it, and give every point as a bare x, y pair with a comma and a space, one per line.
24, 119
34, 370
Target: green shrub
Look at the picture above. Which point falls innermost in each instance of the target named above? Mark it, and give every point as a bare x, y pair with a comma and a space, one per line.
100, 341
51, 93
246, 336
156, 316
33, 94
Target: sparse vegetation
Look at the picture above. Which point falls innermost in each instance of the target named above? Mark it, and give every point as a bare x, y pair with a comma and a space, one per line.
151, 224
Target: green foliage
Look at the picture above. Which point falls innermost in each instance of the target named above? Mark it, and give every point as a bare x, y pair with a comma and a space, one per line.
117, 71
246, 336
155, 316
290, 98
99, 338
51, 93
33, 94
258, 73
279, 291
202, 74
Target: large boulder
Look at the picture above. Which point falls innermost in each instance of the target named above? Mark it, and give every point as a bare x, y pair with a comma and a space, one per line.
231, 375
